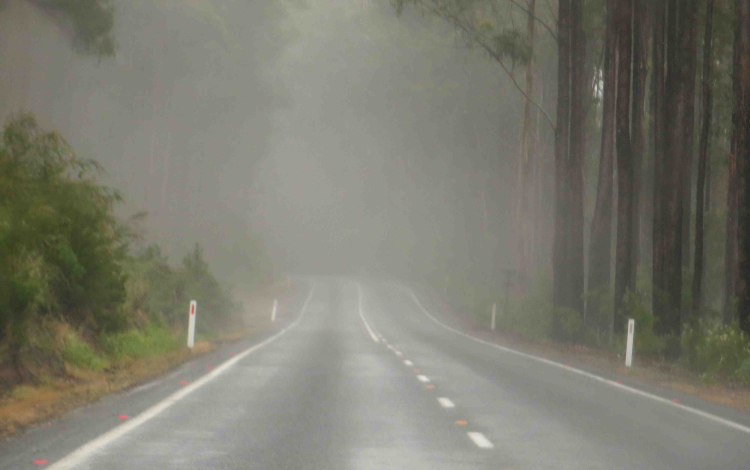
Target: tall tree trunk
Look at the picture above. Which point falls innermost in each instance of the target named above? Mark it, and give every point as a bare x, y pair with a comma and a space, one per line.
578, 88
561, 278
730, 255
625, 211
659, 116
708, 203
707, 105
525, 221
742, 100
689, 32
641, 29
678, 120
600, 249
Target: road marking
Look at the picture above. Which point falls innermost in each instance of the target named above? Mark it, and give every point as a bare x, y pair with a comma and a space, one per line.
446, 402
481, 441
408, 363
423, 378
612, 383
78, 456
361, 315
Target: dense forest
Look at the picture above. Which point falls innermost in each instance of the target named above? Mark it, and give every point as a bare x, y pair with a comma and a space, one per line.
649, 138
621, 195
79, 285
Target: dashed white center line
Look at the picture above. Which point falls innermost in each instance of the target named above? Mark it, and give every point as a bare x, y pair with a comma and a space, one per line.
408, 363
481, 441
423, 378
446, 402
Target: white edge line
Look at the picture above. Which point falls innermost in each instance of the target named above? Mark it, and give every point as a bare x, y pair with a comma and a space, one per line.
423, 378
611, 383
362, 316
446, 402
75, 458
480, 440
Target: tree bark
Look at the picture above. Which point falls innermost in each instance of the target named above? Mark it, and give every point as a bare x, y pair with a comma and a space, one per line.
742, 101
624, 245
600, 245
689, 33
525, 222
659, 158
678, 120
641, 28
561, 280
700, 190
578, 89
730, 255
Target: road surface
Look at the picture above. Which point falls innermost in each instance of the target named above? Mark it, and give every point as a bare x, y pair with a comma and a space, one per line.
368, 376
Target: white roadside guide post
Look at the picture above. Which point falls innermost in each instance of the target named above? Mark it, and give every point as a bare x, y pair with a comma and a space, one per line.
273, 312
191, 323
629, 349
494, 312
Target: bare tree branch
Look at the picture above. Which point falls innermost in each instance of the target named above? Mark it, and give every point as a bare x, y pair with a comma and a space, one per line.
538, 20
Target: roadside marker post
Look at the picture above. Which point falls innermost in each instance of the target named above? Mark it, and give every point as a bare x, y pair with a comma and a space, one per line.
629, 349
494, 312
191, 324
273, 312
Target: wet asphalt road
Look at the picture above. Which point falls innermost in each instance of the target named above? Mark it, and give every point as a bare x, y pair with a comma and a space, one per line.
364, 376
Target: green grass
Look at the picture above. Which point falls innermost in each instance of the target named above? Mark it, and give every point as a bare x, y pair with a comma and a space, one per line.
152, 341
80, 354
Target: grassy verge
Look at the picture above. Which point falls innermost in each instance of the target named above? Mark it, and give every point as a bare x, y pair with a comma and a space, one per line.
76, 371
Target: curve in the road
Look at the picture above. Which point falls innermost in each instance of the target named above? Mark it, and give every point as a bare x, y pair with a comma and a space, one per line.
611, 383
75, 458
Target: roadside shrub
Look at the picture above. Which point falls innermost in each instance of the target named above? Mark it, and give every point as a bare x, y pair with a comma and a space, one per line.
719, 350
571, 321
134, 343
80, 354
531, 316
636, 306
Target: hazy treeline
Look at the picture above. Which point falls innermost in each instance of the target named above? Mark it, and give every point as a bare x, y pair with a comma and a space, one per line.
649, 149
66, 256
78, 284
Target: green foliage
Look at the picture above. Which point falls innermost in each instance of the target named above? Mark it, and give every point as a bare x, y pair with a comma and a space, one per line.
80, 354
512, 44
163, 293
571, 321
197, 283
719, 350
61, 247
636, 305
134, 343
530, 316
93, 21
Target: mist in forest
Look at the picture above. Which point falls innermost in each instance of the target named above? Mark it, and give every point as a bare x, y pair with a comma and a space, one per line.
333, 136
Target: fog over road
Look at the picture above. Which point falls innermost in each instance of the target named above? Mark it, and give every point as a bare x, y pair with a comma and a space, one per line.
368, 375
